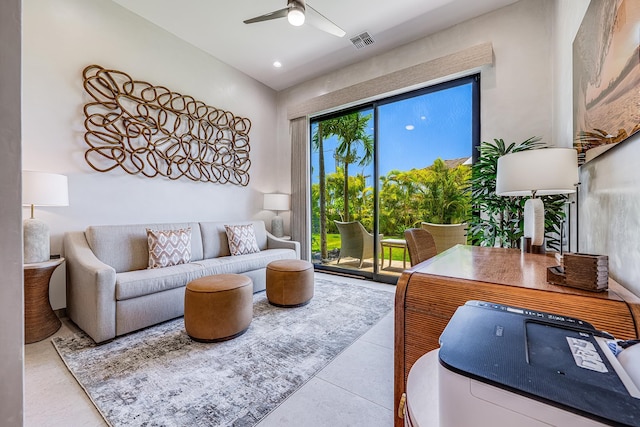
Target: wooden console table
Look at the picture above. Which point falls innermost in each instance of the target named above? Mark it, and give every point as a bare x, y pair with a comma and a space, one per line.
428, 294
40, 321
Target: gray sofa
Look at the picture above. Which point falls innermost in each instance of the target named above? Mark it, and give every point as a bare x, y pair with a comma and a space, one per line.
110, 291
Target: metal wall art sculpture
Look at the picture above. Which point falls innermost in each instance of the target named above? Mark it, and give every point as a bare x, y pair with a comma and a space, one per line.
150, 130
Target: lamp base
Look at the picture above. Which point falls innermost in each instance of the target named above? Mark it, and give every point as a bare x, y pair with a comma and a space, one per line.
277, 226
534, 221
36, 241
527, 247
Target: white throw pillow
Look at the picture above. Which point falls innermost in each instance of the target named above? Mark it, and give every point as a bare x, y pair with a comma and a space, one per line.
169, 247
242, 239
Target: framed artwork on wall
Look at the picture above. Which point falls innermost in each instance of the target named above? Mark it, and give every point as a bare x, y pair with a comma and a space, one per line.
606, 76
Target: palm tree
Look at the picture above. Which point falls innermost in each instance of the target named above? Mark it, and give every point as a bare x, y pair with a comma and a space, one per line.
399, 200
325, 129
351, 131
447, 196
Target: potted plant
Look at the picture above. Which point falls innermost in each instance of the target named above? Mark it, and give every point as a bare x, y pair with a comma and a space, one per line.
498, 220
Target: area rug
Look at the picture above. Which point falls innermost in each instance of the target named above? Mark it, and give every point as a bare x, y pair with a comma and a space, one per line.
159, 376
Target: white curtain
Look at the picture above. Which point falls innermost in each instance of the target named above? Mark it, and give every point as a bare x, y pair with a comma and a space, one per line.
300, 181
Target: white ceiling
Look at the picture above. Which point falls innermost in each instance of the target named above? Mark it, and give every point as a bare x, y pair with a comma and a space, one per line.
305, 52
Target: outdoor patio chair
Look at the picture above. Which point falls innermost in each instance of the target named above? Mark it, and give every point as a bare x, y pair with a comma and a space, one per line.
447, 235
420, 244
355, 241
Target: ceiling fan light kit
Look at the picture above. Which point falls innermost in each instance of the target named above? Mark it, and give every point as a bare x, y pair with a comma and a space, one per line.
296, 13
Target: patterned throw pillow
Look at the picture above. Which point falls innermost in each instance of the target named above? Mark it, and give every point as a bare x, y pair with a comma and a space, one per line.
242, 239
169, 247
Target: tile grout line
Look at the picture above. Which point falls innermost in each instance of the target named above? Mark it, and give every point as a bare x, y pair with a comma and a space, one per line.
375, 343
352, 393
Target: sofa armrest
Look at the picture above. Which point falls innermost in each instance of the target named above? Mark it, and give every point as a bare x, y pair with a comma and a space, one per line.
91, 289
274, 243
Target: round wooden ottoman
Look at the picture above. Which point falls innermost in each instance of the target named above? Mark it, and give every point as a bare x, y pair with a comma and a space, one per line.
289, 282
218, 307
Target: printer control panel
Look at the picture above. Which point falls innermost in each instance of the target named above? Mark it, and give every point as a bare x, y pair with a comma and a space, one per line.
540, 315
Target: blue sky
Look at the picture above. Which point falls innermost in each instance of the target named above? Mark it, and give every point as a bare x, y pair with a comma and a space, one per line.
415, 131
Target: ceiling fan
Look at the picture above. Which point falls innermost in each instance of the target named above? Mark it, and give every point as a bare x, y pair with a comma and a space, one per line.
296, 11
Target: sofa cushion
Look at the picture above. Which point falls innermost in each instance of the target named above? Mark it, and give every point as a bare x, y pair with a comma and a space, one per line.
239, 264
125, 247
132, 284
214, 237
169, 247
241, 239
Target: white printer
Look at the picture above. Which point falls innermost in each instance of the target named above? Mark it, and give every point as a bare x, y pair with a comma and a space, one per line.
507, 366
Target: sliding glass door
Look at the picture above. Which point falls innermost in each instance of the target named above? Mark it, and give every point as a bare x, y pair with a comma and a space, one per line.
387, 166
342, 192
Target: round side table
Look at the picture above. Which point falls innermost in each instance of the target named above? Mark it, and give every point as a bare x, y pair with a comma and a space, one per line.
40, 321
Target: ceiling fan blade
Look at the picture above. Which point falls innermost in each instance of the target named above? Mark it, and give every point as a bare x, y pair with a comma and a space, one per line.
323, 23
268, 16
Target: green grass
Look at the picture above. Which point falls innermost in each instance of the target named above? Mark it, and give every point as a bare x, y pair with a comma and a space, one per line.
333, 242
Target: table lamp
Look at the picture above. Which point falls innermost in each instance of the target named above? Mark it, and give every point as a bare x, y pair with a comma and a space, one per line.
40, 189
541, 172
276, 202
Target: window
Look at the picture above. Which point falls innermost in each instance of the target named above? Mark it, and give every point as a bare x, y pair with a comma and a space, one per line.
383, 167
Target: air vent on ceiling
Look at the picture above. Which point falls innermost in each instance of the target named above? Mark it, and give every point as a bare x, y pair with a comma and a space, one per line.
362, 40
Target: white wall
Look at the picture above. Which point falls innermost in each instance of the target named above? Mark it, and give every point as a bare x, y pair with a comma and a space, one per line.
567, 18
11, 287
62, 37
609, 211
568, 15
516, 92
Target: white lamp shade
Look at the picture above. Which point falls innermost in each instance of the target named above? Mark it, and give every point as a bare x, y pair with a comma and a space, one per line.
546, 171
44, 189
276, 202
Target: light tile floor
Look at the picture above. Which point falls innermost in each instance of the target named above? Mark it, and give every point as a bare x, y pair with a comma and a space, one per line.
355, 389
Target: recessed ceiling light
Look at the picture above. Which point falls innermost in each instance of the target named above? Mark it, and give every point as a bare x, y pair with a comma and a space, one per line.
409, 127
277, 64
